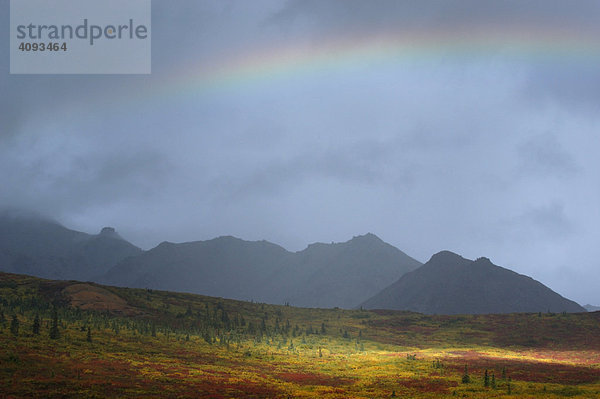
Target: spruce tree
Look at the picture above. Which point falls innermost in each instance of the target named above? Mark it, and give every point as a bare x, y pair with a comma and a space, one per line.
89, 335
54, 332
14, 325
486, 379
207, 337
465, 378
36, 325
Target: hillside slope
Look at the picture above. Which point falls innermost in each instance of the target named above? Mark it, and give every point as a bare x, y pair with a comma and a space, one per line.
74, 339
450, 284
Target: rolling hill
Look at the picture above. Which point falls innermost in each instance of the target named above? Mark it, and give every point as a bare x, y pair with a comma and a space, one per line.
76, 339
450, 284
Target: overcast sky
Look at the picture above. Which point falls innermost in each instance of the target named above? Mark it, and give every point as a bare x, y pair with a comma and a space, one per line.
482, 139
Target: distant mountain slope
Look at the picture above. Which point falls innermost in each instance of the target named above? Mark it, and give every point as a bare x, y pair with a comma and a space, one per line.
592, 308
450, 284
224, 267
31, 244
337, 274
322, 275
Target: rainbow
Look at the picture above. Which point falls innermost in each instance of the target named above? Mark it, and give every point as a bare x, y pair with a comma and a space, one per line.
268, 64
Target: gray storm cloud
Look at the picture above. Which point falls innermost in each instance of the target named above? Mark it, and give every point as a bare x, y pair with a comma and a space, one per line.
489, 155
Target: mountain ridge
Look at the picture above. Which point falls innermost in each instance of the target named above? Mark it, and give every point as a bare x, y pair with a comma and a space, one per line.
40, 246
321, 275
451, 284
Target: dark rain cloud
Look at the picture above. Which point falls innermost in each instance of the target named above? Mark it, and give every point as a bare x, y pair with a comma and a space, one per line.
486, 156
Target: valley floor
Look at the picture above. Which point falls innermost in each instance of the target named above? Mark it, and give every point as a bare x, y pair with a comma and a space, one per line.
156, 344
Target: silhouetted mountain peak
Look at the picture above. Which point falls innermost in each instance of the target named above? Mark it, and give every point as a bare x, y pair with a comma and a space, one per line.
366, 238
316, 245
227, 240
163, 246
483, 261
357, 242
446, 257
109, 232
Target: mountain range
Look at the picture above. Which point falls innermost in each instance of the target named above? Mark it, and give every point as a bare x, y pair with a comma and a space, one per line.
322, 275
34, 245
364, 271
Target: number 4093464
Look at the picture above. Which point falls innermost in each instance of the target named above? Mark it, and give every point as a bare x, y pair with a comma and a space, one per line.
50, 46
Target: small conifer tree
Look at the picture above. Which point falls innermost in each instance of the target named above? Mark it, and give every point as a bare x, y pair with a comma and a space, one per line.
465, 378
54, 332
486, 379
36, 325
14, 325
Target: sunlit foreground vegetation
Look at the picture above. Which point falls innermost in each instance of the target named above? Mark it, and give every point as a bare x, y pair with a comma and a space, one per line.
70, 339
